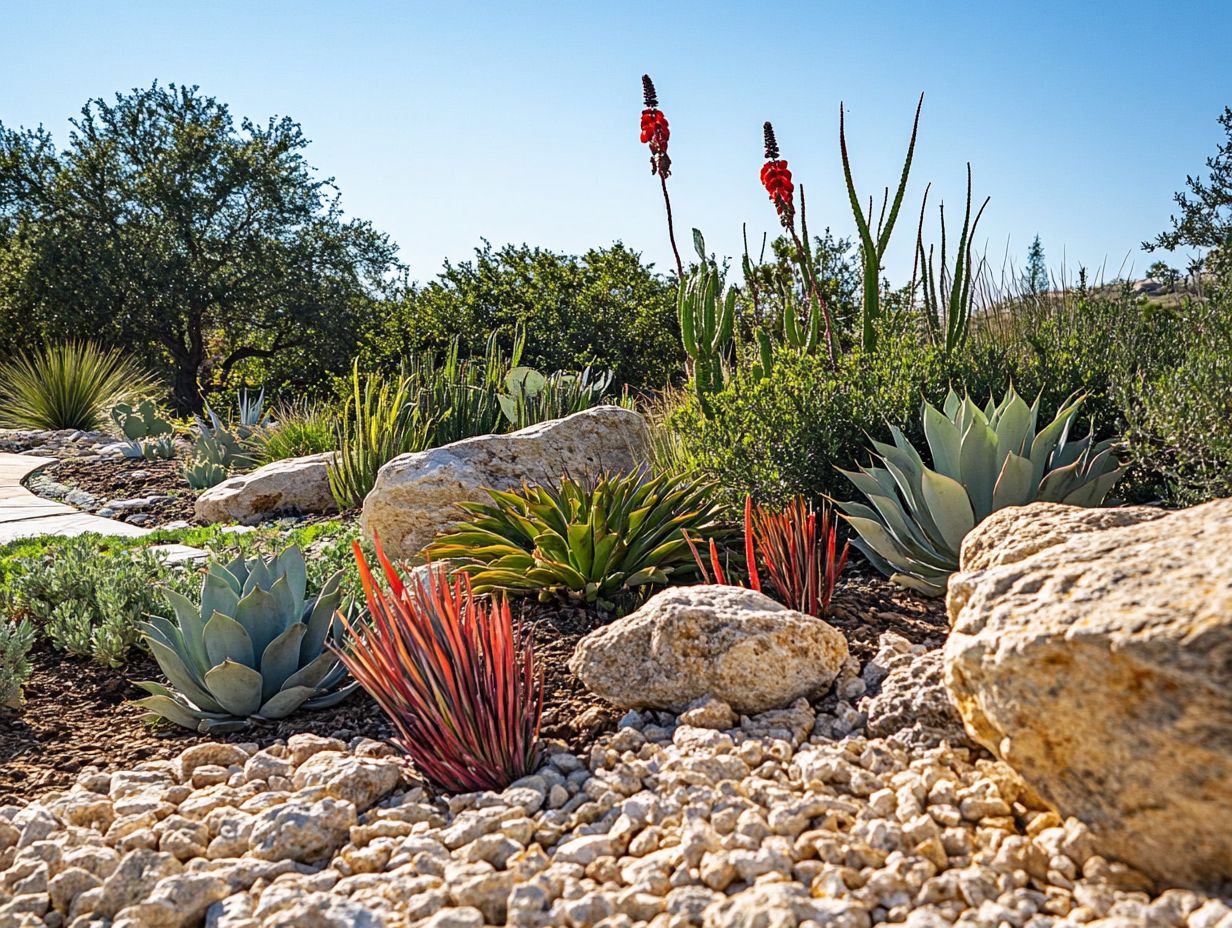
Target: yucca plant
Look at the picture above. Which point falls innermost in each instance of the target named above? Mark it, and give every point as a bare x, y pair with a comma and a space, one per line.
67, 386
382, 424
602, 543
983, 460
455, 674
796, 548
254, 648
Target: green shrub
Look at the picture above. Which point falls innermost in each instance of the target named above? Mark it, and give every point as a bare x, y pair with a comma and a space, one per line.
1179, 416
602, 543
301, 429
67, 386
16, 639
87, 602
783, 435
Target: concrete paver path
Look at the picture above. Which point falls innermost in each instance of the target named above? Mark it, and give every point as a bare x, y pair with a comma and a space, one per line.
24, 515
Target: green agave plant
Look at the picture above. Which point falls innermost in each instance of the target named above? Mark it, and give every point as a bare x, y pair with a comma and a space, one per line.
983, 460
254, 649
598, 543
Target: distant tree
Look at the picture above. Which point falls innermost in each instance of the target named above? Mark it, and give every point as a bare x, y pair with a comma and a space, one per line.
604, 308
1206, 210
198, 245
1165, 274
1035, 275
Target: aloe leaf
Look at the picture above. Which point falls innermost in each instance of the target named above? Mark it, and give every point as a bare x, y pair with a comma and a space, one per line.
166, 707
280, 659
317, 626
226, 639
182, 679
258, 612
235, 687
191, 626
950, 508
1014, 486
978, 459
284, 702
945, 442
292, 562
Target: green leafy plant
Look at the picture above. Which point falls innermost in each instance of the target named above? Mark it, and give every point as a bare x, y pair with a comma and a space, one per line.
233, 443
983, 460
299, 430
254, 647
208, 465
873, 248
531, 397
602, 543
382, 424
707, 318
949, 292
457, 396
454, 673
88, 603
148, 434
16, 640
67, 386
794, 547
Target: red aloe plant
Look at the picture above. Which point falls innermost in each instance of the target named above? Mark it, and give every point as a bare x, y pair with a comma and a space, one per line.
455, 675
797, 551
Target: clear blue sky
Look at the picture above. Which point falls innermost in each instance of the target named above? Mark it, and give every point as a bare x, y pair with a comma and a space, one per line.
447, 122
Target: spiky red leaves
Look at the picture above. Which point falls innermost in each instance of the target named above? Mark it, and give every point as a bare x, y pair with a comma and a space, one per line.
794, 547
454, 673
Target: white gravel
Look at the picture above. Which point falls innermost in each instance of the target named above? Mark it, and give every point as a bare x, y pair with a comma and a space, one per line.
768, 824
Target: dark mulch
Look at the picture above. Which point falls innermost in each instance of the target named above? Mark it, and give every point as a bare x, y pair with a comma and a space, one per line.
108, 478
865, 605
78, 714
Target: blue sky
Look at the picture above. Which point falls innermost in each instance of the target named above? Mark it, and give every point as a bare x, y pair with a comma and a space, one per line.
448, 123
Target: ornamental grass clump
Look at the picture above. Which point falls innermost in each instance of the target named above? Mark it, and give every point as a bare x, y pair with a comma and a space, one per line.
983, 460
602, 542
794, 548
68, 386
254, 648
455, 674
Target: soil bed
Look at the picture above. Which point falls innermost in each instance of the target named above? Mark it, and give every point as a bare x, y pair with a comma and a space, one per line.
78, 714
108, 478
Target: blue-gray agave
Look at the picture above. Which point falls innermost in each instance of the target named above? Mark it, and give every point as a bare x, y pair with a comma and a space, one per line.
253, 649
984, 460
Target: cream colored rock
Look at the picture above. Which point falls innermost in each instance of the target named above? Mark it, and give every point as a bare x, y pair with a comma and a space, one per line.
1100, 668
416, 494
294, 485
734, 644
1010, 535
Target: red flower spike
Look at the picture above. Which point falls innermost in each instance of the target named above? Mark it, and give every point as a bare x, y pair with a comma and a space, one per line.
655, 131
776, 178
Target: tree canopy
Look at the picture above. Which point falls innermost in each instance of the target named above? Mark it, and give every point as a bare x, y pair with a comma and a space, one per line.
201, 246
1205, 221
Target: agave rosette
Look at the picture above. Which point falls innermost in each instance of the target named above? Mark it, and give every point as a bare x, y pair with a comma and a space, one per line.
983, 460
254, 649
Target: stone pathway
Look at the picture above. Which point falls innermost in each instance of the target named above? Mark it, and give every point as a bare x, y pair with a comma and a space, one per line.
24, 515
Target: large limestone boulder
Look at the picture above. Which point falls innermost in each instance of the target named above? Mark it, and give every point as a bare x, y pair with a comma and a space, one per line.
727, 642
1100, 668
294, 485
416, 494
